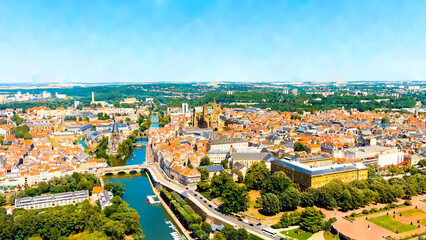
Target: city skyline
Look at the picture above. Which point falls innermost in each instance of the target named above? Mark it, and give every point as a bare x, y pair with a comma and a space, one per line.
190, 41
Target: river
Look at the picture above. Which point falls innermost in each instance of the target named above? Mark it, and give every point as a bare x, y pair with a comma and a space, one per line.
152, 217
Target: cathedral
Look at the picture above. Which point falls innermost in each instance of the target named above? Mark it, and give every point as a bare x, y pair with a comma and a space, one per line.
207, 116
115, 138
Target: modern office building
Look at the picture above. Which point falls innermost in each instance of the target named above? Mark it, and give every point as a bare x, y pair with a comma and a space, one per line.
52, 200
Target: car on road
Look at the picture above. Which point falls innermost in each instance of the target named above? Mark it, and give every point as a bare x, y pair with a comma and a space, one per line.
251, 224
210, 205
186, 188
195, 194
259, 224
245, 221
205, 201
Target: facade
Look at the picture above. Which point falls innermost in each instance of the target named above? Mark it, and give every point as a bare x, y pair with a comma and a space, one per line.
315, 177
115, 138
217, 155
52, 200
375, 155
316, 161
227, 143
248, 159
207, 116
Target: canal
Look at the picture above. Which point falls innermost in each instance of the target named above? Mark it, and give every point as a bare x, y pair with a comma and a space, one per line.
152, 217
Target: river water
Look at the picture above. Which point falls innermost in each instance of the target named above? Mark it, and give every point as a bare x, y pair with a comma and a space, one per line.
152, 217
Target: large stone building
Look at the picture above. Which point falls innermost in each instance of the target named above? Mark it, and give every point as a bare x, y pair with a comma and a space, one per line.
308, 176
207, 116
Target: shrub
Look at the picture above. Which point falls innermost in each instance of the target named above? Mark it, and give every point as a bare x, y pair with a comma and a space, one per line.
365, 212
194, 227
374, 210
407, 203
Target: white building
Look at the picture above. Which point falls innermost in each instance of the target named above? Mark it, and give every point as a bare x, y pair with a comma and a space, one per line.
52, 200
377, 155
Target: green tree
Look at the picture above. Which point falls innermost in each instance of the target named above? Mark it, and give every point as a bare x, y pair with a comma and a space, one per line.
289, 199
18, 120
235, 199
312, 220
2, 199
385, 120
118, 189
205, 161
224, 163
204, 174
371, 171
256, 175
277, 183
206, 227
299, 147
270, 204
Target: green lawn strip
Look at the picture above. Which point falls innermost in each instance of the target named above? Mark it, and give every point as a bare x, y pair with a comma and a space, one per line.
302, 235
411, 212
422, 221
388, 222
329, 236
353, 216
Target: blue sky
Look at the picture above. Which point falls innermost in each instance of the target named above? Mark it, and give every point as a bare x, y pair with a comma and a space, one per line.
203, 40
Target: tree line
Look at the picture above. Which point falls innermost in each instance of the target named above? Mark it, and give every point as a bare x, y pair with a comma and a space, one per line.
67, 183
186, 215
114, 222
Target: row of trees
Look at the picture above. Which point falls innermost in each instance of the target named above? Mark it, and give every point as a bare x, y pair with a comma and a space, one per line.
230, 233
68, 183
186, 215
279, 193
310, 219
234, 198
114, 222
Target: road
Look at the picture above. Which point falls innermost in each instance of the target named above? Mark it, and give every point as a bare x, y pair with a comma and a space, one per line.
207, 206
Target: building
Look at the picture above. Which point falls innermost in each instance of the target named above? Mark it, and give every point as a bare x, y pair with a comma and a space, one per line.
227, 143
307, 176
207, 116
375, 155
212, 170
52, 200
247, 159
316, 161
185, 109
217, 155
115, 138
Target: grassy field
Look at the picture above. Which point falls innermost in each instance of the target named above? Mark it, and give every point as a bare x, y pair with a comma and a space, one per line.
388, 222
329, 236
411, 212
422, 221
297, 234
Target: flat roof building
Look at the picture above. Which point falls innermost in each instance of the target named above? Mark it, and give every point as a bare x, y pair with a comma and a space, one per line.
52, 200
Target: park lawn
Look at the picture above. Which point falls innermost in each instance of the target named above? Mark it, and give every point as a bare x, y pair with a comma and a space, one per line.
329, 236
303, 235
411, 212
422, 221
388, 222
